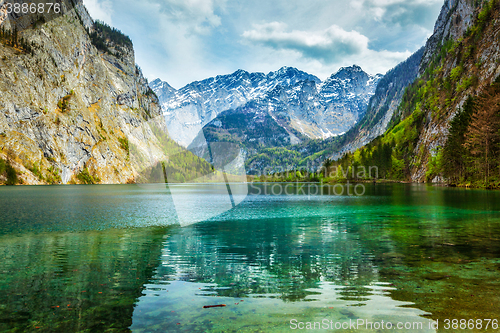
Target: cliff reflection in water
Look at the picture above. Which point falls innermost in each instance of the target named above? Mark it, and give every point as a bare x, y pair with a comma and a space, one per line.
72, 282
267, 271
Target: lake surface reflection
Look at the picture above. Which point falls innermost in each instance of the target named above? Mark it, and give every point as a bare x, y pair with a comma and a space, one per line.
114, 258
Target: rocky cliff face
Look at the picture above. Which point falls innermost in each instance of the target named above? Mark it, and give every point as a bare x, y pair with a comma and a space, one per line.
384, 107
454, 19
447, 125
70, 112
312, 108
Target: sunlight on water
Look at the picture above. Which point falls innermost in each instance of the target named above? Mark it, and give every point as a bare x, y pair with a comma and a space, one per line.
266, 311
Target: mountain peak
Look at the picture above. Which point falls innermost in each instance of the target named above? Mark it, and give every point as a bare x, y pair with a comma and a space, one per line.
287, 69
292, 75
240, 72
159, 84
349, 69
349, 72
156, 82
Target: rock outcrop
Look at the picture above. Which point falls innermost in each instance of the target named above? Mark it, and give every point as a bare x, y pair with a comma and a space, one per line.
454, 19
72, 113
473, 58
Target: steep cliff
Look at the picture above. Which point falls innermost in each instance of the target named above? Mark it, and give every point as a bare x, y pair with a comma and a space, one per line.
465, 64
454, 19
74, 107
447, 127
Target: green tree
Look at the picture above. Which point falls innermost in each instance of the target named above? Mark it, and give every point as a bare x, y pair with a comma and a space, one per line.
454, 163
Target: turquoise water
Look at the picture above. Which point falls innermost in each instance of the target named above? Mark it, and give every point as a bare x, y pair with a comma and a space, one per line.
115, 258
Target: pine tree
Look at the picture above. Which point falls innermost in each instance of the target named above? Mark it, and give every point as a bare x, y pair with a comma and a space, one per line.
482, 136
454, 167
14, 38
327, 167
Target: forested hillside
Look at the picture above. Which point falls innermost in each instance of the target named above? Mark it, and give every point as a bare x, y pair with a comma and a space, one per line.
448, 124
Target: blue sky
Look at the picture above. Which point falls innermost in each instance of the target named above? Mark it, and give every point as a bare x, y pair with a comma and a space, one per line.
181, 41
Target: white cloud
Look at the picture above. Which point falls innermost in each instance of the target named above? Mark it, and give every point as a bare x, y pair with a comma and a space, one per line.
401, 12
380, 61
328, 45
198, 16
100, 10
323, 50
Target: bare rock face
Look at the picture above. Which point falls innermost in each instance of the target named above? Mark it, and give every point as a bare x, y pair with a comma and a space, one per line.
68, 108
456, 16
454, 19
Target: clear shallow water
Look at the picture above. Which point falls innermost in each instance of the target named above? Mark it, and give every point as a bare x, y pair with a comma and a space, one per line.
98, 258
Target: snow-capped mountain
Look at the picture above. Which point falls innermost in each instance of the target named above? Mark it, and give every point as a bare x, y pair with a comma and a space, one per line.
303, 103
324, 109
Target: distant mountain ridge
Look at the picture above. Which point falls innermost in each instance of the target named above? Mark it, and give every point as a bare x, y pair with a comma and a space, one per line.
307, 107
382, 108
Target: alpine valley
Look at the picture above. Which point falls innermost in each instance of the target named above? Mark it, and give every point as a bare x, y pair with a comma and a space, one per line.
422, 121
296, 201
283, 107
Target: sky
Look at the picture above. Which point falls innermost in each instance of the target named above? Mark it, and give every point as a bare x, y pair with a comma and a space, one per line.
181, 41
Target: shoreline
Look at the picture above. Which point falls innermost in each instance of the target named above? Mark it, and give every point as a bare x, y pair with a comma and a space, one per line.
342, 182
